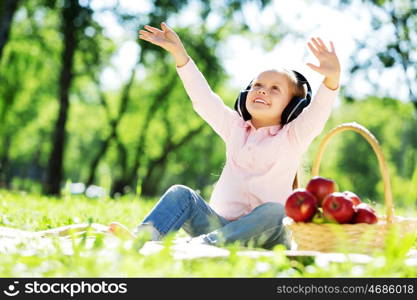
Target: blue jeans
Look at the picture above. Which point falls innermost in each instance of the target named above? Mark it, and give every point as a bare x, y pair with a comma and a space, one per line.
182, 207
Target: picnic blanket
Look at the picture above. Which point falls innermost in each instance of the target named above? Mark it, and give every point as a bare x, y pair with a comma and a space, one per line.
30, 243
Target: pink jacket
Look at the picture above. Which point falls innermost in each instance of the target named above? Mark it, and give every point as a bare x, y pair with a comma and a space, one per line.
260, 164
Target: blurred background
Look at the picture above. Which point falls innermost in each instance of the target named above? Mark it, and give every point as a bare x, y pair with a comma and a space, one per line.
87, 107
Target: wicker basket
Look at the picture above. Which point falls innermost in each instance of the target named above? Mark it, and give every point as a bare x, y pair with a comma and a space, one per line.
359, 238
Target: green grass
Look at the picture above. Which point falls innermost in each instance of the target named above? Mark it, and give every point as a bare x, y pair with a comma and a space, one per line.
116, 258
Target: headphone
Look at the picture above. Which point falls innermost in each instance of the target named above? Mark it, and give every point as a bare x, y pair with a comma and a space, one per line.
290, 112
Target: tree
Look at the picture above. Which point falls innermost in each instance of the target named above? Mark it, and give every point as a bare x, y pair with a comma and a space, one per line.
400, 52
75, 19
137, 155
128, 163
7, 11
29, 61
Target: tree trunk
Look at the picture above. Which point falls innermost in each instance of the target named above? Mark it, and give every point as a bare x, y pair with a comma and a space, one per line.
94, 163
149, 185
119, 184
54, 175
127, 179
7, 10
415, 104
149, 114
4, 164
113, 124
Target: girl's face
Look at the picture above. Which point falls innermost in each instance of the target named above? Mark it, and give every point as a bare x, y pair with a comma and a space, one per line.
268, 96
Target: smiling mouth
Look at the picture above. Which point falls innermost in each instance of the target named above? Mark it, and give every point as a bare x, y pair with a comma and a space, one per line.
261, 101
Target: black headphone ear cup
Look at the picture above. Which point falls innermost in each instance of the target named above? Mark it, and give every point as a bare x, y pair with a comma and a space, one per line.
244, 111
297, 105
240, 105
287, 111
293, 109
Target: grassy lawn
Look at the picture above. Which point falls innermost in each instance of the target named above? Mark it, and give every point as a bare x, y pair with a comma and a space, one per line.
110, 257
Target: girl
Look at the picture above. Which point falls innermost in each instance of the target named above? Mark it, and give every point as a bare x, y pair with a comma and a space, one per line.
263, 150
264, 140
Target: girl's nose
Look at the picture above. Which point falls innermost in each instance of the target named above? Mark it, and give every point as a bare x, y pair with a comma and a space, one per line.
262, 91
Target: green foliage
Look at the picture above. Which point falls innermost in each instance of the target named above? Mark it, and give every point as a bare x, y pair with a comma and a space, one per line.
28, 108
350, 160
391, 45
30, 75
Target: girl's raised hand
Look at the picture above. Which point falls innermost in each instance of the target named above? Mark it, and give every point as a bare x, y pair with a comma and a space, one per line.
165, 38
329, 63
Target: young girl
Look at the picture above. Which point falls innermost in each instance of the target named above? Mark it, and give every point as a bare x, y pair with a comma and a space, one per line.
264, 145
262, 153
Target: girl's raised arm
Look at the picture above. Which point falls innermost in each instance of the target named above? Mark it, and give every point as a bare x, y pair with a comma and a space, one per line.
311, 121
205, 102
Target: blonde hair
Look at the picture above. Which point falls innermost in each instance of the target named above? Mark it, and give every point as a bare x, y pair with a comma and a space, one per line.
296, 88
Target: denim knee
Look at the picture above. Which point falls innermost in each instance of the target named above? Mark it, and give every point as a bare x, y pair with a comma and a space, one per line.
271, 213
182, 196
176, 202
178, 192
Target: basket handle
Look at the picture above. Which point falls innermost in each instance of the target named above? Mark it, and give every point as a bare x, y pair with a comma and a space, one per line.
377, 149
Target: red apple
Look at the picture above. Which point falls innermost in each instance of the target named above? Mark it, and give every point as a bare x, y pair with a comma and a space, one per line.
301, 205
364, 214
355, 198
321, 187
338, 207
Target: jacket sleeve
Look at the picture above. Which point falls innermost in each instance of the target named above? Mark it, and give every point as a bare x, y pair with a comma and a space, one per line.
205, 102
310, 123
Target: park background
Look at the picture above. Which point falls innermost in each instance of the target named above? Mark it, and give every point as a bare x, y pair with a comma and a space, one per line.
95, 123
